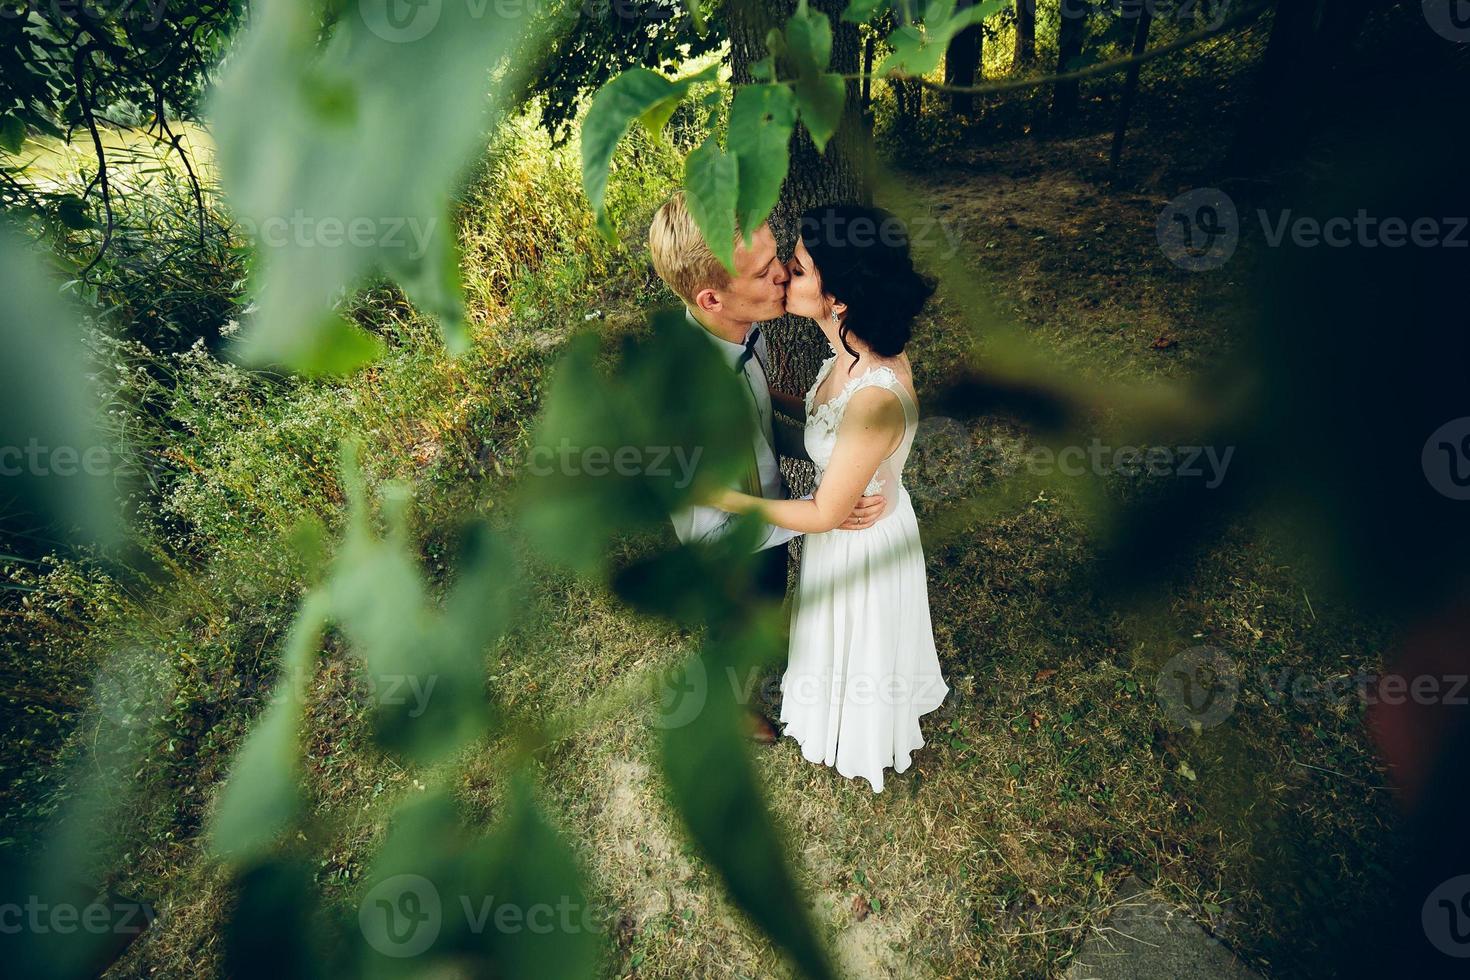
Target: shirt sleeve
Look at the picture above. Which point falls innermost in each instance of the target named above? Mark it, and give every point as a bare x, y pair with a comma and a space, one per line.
710, 523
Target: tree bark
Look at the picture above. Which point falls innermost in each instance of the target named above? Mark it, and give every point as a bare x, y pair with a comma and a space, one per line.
1025, 51
1070, 38
962, 65
867, 96
838, 175
1130, 85
1266, 128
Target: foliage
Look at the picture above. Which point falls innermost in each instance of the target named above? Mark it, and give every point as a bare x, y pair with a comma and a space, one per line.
293, 116
609, 36
48, 430
335, 105
68, 66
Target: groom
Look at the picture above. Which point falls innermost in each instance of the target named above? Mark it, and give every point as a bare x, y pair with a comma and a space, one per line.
725, 308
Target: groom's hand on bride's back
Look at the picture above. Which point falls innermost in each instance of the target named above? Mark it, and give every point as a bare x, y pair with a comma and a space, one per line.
864, 513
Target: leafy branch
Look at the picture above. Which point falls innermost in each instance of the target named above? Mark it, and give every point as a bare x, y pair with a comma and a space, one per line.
736, 187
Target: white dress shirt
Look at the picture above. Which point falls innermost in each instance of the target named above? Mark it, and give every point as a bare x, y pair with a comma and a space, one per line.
702, 523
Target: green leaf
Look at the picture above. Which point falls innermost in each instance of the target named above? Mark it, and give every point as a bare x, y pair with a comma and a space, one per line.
569, 516
614, 455
820, 95
809, 40
426, 665
820, 101
439, 898
637, 93
727, 816
12, 134
697, 584
711, 180
918, 49
72, 211
696, 16
48, 408
275, 927
762, 118
315, 153
332, 347
862, 11
532, 869
432, 281
262, 793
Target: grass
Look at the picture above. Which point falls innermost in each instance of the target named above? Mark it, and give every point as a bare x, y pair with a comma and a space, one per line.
1050, 775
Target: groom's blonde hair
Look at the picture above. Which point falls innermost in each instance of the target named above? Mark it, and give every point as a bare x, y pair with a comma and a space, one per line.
680, 256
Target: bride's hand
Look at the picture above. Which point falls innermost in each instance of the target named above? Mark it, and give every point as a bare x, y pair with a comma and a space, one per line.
864, 513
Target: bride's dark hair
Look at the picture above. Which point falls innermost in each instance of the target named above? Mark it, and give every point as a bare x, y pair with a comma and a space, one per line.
862, 259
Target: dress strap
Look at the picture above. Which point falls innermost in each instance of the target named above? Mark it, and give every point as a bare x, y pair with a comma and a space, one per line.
884, 377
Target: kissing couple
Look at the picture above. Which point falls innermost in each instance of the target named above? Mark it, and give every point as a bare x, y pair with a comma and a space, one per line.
862, 666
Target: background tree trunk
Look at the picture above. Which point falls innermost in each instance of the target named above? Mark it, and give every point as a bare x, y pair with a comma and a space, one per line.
1070, 37
838, 175
962, 65
1025, 51
1268, 126
1130, 85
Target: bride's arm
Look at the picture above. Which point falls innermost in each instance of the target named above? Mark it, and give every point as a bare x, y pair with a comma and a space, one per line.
872, 427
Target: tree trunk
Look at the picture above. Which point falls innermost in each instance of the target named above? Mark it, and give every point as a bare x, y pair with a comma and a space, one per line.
867, 98
838, 175
1130, 85
1025, 52
962, 65
1070, 38
1274, 109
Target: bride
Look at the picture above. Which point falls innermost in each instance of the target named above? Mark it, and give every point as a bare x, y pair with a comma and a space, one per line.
862, 666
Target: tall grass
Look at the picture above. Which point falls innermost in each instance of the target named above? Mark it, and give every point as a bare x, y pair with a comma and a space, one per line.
223, 466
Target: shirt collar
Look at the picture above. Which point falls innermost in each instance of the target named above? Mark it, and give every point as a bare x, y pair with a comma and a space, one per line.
730, 351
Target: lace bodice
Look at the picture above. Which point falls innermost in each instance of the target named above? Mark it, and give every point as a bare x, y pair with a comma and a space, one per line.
823, 421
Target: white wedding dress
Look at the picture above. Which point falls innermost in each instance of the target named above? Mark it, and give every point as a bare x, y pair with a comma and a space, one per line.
862, 667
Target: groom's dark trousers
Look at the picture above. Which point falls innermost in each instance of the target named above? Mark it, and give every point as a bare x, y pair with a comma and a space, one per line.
770, 572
